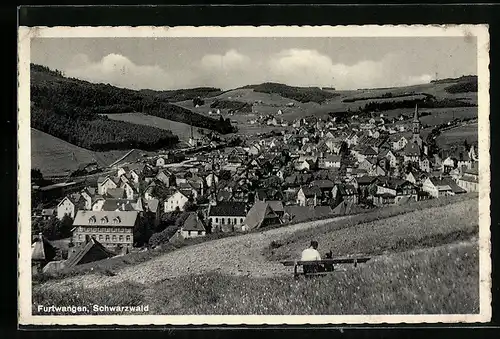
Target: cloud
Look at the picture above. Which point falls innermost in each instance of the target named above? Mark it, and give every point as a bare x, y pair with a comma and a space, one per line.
303, 67
118, 70
296, 67
230, 61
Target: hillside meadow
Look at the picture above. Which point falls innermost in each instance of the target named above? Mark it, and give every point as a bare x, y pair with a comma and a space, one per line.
54, 156
424, 259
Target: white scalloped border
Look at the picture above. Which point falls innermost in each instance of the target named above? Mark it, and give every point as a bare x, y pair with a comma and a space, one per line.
24, 165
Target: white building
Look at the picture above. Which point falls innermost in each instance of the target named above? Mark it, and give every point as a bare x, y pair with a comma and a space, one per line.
176, 200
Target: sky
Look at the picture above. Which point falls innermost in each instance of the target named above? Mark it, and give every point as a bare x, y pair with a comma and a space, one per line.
341, 62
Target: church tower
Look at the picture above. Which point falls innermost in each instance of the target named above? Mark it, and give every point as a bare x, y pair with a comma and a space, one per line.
416, 128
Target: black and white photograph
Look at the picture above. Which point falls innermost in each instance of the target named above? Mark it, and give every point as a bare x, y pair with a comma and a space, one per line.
254, 175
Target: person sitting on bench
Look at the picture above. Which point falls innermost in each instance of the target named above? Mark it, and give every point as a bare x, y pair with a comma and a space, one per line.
311, 254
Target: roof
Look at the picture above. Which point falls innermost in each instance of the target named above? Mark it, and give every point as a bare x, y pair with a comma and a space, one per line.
116, 192
323, 184
365, 180
310, 191
47, 212
106, 218
193, 223
153, 204
412, 149
91, 244
276, 205
258, 213
345, 189
230, 209
333, 158
114, 204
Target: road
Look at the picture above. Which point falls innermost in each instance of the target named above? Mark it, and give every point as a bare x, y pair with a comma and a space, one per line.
238, 255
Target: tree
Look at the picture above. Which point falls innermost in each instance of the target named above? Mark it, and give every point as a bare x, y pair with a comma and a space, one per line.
143, 230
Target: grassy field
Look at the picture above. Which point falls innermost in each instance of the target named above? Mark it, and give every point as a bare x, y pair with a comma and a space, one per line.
457, 135
440, 280
178, 128
424, 259
372, 234
54, 156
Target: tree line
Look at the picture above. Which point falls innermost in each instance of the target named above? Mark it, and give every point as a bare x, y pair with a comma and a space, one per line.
72, 104
300, 94
428, 102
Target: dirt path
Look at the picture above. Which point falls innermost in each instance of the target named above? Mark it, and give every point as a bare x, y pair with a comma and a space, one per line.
239, 255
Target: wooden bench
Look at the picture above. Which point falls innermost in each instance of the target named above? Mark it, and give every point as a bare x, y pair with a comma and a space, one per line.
336, 261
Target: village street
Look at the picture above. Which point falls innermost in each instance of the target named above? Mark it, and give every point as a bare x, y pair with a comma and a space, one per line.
238, 255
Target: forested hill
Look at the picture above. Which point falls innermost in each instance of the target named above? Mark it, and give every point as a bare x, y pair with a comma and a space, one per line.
70, 109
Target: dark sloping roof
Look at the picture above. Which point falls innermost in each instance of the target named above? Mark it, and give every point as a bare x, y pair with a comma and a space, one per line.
230, 209
323, 184
115, 204
117, 193
258, 213
311, 191
193, 223
92, 244
276, 205
365, 180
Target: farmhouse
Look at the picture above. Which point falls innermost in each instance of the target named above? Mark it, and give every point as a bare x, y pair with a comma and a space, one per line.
260, 215
69, 205
438, 187
469, 181
192, 227
103, 184
226, 215
91, 250
175, 201
308, 196
113, 229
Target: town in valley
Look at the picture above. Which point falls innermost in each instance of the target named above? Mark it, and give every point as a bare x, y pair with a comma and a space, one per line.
110, 181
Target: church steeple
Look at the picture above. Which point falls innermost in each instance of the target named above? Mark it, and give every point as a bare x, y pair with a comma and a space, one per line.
416, 121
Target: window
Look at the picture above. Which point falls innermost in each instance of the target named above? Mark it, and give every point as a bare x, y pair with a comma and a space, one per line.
241, 220
100, 236
222, 221
216, 220
107, 237
200, 232
128, 237
114, 237
121, 238
80, 236
189, 233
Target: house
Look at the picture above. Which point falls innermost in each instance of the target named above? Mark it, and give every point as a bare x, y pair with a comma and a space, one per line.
448, 164
48, 213
153, 206
69, 205
437, 187
165, 177
121, 205
330, 161
211, 179
469, 181
103, 184
346, 208
393, 159
345, 192
260, 215
399, 144
89, 195
192, 227
88, 251
411, 152
176, 201
225, 216
425, 164
115, 193
308, 196
396, 188
129, 190
113, 229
